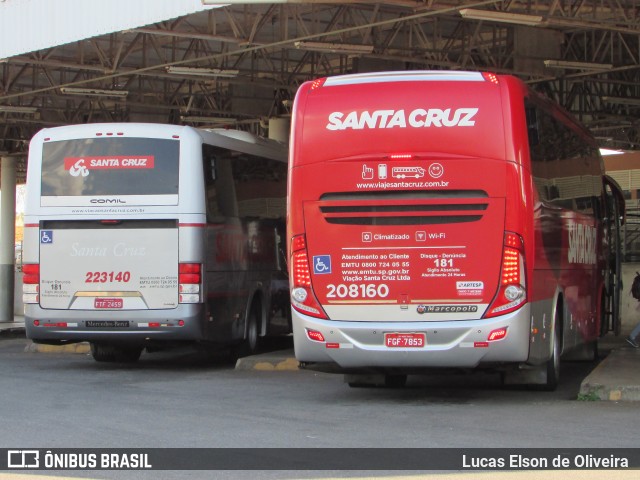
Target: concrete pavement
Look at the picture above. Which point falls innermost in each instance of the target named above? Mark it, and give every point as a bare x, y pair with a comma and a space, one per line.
616, 378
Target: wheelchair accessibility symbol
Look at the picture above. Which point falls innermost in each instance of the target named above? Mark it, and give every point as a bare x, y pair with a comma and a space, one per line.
322, 264
46, 236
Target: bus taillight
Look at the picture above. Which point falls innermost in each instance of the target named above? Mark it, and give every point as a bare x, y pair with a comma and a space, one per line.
512, 292
31, 273
31, 283
189, 279
490, 77
318, 83
302, 297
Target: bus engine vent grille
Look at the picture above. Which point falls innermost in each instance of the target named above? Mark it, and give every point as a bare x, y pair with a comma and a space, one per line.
403, 208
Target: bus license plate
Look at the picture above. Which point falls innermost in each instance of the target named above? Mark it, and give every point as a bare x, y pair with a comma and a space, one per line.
108, 303
107, 323
405, 340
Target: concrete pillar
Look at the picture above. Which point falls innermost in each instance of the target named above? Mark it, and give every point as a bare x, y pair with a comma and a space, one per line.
279, 129
7, 237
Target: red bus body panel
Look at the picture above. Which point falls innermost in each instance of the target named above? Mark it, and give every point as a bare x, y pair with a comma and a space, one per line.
404, 185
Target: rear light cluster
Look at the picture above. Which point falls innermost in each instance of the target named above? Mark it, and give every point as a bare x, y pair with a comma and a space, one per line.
160, 324
38, 323
512, 292
491, 77
189, 280
31, 283
302, 297
317, 83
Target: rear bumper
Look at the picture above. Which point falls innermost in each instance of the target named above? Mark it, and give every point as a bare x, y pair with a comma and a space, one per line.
460, 343
144, 325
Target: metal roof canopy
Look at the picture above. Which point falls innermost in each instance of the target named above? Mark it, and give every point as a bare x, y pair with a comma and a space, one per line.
30, 25
185, 62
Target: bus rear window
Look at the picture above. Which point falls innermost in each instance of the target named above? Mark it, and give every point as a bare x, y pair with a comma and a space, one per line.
110, 166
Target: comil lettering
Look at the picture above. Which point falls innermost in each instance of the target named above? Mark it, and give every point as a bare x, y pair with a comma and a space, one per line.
418, 118
582, 243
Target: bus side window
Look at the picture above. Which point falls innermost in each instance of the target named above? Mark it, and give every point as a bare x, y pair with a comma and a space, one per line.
532, 127
219, 185
209, 173
212, 168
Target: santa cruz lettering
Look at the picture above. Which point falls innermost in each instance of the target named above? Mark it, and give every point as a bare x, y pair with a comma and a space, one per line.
582, 243
78, 166
418, 118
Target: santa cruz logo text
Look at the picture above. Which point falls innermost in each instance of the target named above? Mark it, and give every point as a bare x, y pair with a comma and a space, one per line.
582, 243
418, 118
81, 166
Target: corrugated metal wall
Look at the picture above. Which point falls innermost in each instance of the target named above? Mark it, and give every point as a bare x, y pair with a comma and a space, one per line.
628, 179
29, 25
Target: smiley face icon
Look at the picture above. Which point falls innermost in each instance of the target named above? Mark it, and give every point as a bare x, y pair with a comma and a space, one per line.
436, 170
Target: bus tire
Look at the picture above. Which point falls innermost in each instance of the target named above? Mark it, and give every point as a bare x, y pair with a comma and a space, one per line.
110, 353
251, 341
553, 364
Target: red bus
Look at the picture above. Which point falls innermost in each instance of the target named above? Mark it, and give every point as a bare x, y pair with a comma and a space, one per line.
447, 219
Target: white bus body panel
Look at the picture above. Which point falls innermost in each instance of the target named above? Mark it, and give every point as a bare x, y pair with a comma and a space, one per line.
120, 269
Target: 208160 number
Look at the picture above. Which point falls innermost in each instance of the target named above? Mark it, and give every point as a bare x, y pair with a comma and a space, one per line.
104, 277
357, 290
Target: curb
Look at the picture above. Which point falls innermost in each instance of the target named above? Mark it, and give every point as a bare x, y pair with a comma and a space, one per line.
82, 348
274, 361
269, 362
615, 379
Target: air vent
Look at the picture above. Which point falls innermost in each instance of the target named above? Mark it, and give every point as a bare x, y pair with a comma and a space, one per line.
403, 208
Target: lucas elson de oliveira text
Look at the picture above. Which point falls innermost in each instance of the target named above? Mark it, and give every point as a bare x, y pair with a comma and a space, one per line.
558, 461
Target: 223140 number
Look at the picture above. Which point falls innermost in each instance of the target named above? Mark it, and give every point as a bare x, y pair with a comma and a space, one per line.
104, 277
357, 290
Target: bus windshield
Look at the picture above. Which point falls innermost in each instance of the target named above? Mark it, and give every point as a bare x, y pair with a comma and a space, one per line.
108, 166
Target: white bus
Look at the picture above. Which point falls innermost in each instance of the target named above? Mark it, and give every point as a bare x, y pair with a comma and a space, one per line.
145, 235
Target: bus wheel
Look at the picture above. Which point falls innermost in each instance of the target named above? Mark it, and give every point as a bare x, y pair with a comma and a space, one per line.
553, 364
111, 353
252, 339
